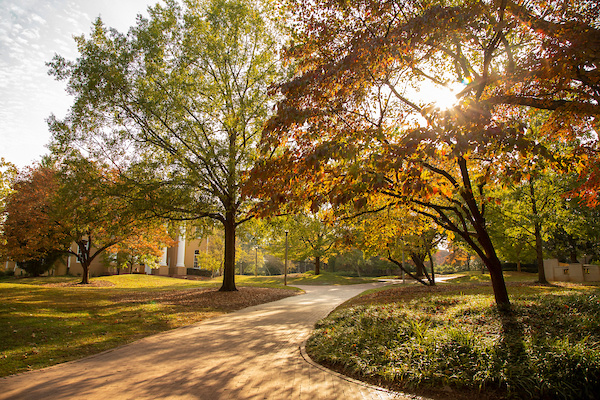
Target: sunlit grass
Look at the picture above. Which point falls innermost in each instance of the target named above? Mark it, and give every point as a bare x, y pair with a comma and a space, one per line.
308, 278
43, 322
141, 281
478, 276
328, 278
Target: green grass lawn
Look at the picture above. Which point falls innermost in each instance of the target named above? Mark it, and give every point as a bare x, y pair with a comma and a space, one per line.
308, 278
50, 320
452, 337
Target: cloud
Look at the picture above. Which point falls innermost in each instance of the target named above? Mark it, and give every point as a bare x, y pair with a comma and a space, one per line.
37, 19
31, 32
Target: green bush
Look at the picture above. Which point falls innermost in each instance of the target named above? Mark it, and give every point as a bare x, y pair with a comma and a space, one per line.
199, 272
7, 272
37, 267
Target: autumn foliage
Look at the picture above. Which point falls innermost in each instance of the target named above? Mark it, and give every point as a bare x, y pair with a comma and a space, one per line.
353, 121
78, 202
29, 231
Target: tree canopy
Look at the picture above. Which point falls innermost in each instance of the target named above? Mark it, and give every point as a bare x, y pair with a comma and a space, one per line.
52, 208
180, 100
354, 122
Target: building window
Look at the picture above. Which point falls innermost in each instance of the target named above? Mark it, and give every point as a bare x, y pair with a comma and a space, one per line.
196, 254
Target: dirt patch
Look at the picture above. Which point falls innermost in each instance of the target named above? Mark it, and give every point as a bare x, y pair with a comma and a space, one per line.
209, 298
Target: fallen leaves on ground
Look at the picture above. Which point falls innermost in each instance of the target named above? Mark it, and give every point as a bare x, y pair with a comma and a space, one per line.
210, 298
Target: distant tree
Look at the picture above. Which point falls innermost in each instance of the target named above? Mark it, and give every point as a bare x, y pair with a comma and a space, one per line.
142, 246
574, 225
211, 257
310, 238
77, 202
396, 233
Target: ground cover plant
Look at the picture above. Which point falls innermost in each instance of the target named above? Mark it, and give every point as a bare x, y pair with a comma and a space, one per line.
46, 321
452, 337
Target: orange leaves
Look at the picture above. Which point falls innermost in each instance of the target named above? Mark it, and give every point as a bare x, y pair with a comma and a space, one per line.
29, 232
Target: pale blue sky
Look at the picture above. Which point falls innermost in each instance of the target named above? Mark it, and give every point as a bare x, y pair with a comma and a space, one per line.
31, 32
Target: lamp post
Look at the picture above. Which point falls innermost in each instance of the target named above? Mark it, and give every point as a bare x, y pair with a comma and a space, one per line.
255, 260
286, 258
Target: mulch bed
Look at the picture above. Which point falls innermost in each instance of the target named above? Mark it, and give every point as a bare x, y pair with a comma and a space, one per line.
93, 283
209, 298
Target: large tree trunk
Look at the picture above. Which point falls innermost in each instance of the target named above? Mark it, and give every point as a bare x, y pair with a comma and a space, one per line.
539, 254
486, 249
498, 285
229, 263
84, 259
317, 265
419, 264
494, 266
572, 249
85, 276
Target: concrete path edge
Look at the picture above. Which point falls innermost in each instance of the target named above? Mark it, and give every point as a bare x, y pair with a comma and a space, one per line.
315, 364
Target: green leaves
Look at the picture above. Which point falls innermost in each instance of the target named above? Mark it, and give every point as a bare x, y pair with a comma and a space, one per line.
177, 105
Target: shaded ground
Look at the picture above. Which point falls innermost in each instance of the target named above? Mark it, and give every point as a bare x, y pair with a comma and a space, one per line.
47, 323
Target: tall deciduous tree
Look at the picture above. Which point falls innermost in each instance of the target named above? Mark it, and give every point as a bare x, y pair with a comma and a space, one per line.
182, 98
8, 172
29, 230
78, 202
352, 121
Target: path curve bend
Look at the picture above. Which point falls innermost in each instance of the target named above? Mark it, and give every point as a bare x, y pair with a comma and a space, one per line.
251, 354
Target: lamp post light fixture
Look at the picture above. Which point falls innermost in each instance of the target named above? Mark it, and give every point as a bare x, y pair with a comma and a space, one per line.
255, 260
286, 259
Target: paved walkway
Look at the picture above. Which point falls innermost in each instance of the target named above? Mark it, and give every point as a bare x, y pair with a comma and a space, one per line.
251, 354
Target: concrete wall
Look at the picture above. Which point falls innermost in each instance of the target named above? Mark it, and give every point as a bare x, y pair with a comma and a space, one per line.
562, 272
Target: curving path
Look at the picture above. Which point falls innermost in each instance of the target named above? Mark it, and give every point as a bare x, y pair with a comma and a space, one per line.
250, 354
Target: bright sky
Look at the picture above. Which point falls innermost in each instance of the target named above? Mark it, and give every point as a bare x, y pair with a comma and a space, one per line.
31, 32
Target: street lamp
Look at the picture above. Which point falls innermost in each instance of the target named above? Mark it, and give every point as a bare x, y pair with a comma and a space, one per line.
286, 258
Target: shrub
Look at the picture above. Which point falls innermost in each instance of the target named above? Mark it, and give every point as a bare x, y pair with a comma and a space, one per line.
199, 272
548, 347
7, 272
39, 266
